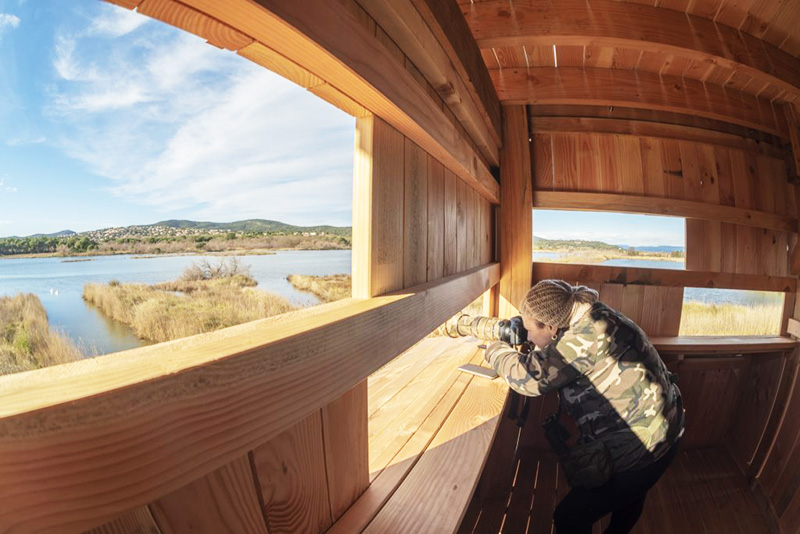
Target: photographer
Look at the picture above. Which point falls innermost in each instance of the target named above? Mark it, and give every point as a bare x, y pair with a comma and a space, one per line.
615, 386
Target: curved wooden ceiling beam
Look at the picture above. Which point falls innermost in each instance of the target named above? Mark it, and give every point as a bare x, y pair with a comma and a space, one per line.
645, 90
608, 23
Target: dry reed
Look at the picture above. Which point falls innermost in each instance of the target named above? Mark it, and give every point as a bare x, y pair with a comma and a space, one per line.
182, 308
702, 319
26, 340
326, 288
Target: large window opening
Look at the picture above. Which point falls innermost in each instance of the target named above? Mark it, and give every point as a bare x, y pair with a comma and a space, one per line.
614, 239
154, 186
730, 312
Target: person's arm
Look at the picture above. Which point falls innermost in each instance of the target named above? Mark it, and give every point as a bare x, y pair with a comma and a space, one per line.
538, 372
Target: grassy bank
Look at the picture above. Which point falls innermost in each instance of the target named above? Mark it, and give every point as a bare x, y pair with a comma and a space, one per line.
26, 340
701, 319
191, 305
326, 288
599, 256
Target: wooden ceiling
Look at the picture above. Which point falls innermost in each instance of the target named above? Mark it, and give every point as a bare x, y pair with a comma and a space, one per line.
735, 60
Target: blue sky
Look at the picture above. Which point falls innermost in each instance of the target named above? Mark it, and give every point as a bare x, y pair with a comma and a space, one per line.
108, 118
613, 228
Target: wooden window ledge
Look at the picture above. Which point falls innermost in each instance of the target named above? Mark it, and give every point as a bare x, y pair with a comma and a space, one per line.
722, 344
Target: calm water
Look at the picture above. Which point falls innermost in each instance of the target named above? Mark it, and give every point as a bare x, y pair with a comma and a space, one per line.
690, 294
59, 285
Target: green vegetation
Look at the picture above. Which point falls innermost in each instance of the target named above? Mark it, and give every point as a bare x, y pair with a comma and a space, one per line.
207, 297
579, 251
26, 340
326, 288
182, 237
703, 319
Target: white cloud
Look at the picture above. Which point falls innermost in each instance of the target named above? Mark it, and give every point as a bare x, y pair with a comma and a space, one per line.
6, 188
25, 140
179, 125
8, 21
116, 22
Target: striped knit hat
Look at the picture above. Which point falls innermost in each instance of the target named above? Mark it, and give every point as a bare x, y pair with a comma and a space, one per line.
555, 302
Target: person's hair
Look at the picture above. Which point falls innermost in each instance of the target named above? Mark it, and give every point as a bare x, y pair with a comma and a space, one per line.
556, 303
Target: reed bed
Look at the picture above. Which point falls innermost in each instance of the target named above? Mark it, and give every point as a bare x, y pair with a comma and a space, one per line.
326, 288
198, 302
704, 319
26, 340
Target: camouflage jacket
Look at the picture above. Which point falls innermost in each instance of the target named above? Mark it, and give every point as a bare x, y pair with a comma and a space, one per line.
610, 380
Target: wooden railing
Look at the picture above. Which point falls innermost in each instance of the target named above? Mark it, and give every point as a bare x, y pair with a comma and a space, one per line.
83, 442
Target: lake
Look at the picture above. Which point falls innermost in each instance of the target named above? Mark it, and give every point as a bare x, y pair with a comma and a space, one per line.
690, 294
59, 285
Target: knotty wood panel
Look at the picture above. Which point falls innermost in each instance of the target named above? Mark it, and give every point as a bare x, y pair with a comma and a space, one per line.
758, 393
451, 234
415, 217
435, 219
140, 521
223, 501
344, 431
514, 215
733, 248
701, 173
291, 473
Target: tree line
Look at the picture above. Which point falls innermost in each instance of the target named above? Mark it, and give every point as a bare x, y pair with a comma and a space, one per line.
45, 245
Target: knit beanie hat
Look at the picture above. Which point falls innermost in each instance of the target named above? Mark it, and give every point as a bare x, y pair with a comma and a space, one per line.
554, 302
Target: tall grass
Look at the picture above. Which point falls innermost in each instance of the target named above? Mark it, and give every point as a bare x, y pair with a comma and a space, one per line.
326, 288
704, 319
185, 307
26, 340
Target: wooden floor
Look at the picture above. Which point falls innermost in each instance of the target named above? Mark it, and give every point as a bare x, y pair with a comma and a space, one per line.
702, 492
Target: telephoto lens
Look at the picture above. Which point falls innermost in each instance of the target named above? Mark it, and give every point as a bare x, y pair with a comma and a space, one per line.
511, 331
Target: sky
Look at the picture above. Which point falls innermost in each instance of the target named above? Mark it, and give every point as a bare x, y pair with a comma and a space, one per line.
612, 228
109, 118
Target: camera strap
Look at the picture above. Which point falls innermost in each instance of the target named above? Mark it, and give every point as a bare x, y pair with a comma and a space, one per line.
518, 408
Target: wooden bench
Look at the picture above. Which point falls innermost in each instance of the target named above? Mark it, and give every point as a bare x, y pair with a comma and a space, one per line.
431, 428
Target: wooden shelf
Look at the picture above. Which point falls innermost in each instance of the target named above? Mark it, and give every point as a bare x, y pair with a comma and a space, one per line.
604, 274
722, 344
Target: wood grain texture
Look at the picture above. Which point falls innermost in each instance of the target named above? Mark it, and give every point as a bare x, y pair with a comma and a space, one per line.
758, 395
176, 14
345, 436
331, 41
722, 344
514, 214
623, 25
434, 496
676, 208
604, 274
258, 53
623, 88
139, 521
169, 414
462, 223
658, 130
362, 254
291, 472
223, 501
794, 136
435, 220
387, 214
409, 29
451, 234
415, 216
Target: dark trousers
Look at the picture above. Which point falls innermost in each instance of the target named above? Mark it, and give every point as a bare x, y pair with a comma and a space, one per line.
623, 496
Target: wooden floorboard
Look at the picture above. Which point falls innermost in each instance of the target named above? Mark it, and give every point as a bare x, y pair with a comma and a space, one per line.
703, 492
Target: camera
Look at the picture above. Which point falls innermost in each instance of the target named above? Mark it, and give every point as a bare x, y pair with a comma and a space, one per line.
511, 331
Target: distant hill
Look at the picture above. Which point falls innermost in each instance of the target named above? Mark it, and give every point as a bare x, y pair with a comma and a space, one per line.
540, 243
254, 225
62, 233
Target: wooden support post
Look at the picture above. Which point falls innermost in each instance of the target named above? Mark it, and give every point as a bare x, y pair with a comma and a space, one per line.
514, 232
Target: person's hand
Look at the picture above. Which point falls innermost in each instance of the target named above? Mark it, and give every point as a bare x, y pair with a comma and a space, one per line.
512, 331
